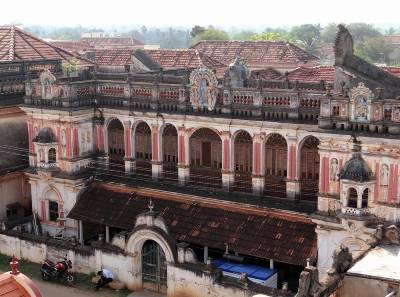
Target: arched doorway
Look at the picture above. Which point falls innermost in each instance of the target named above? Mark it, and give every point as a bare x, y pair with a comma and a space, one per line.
243, 158
116, 148
309, 168
205, 158
170, 152
275, 165
143, 149
154, 268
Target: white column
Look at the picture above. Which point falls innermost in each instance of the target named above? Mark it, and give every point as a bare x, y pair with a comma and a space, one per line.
205, 257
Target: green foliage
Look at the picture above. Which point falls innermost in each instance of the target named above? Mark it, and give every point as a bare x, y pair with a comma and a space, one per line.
210, 33
197, 30
70, 67
243, 35
270, 36
373, 49
307, 36
360, 31
328, 33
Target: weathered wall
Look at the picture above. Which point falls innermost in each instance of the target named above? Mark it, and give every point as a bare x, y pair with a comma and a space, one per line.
189, 283
13, 188
352, 286
181, 282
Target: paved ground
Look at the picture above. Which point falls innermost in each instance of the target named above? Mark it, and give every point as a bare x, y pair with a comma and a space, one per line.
51, 289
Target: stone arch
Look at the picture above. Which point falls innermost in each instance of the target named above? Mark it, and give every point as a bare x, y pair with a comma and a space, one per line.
352, 197
169, 147
355, 245
114, 140
135, 244
52, 153
205, 156
142, 146
308, 169
242, 160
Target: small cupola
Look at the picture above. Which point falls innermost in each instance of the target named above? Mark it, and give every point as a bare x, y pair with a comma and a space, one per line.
45, 143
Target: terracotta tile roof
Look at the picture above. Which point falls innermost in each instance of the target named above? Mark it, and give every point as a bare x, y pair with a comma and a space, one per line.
256, 54
393, 39
392, 70
312, 74
285, 237
114, 57
112, 42
185, 58
73, 46
265, 74
18, 45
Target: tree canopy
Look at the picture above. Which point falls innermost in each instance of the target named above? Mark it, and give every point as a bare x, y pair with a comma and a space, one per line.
200, 33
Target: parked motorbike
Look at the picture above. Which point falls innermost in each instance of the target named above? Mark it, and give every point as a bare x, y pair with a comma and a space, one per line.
59, 270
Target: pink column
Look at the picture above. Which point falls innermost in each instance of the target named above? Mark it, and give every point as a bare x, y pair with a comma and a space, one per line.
156, 166
183, 156
69, 142
393, 183
127, 140
75, 141
292, 162
226, 151
154, 144
377, 182
43, 209
228, 174
258, 178
182, 147
99, 130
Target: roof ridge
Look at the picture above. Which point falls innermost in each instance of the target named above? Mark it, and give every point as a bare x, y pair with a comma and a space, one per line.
11, 45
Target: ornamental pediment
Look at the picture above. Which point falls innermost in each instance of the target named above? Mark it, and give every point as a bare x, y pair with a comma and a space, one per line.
203, 88
360, 100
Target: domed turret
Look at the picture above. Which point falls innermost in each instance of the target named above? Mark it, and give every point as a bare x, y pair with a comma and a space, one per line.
356, 169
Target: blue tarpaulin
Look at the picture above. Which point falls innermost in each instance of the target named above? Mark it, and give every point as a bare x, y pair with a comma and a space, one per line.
253, 271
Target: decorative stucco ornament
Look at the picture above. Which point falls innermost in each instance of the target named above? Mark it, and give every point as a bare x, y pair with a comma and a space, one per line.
47, 80
361, 98
204, 88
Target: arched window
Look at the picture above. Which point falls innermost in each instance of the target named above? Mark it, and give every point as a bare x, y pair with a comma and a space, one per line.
53, 211
52, 155
352, 198
365, 196
116, 148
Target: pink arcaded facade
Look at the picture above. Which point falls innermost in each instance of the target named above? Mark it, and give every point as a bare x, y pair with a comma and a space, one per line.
185, 162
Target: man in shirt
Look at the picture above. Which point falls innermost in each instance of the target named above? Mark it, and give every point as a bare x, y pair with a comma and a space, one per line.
106, 277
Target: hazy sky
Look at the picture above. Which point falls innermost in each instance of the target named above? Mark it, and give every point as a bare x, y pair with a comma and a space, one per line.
243, 13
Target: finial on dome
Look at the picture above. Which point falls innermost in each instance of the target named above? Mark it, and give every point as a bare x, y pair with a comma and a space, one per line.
14, 266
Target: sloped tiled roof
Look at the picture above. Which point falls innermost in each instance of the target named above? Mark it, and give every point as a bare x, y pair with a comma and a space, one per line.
393, 70
73, 46
185, 58
265, 74
114, 57
393, 39
112, 42
18, 45
256, 54
285, 237
312, 74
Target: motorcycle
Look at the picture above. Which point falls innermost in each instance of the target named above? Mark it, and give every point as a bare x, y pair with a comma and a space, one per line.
59, 270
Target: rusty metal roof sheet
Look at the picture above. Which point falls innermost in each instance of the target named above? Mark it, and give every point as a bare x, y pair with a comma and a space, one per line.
284, 237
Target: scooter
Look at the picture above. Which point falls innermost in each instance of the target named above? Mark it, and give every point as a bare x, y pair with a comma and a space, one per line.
59, 270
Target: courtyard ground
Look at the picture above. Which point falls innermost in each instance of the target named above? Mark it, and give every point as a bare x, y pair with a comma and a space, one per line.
82, 287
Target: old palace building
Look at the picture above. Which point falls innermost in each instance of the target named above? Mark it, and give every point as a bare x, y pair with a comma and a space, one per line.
185, 161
